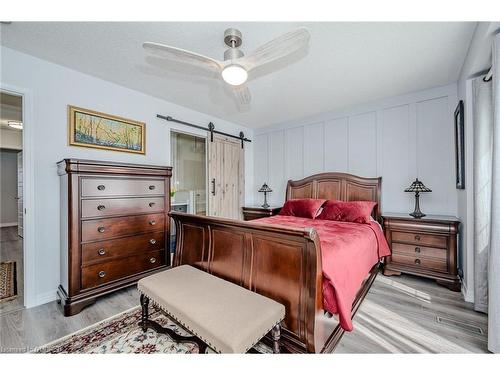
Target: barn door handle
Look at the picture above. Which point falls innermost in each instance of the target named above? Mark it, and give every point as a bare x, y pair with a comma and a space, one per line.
213, 186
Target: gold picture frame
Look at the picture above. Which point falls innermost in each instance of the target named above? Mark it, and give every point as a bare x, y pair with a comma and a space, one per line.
99, 130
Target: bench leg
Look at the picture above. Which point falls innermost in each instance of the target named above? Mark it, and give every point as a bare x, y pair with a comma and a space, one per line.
145, 312
155, 326
276, 333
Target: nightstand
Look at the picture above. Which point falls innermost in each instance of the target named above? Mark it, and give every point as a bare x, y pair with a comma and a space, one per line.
257, 212
424, 247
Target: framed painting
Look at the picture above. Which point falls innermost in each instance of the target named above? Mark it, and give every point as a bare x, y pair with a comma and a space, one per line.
459, 146
99, 130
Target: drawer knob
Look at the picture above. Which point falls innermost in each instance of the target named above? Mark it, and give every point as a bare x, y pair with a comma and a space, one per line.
152, 187
152, 260
417, 237
151, 204
101, 207
101, 187
417, 261
152, 222
152, 241
102, 274
101, 252
101, 229
417, 249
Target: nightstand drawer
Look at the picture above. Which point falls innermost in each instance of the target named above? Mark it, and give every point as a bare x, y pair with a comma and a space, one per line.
420, 262
416, 250
420, 239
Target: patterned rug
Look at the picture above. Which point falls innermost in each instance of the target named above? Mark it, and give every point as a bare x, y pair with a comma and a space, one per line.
121, 334
8, 281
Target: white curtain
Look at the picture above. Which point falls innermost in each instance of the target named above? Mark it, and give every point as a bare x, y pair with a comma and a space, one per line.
494, 258
483, 152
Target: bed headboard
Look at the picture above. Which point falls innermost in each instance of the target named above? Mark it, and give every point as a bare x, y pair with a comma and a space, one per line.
338, 186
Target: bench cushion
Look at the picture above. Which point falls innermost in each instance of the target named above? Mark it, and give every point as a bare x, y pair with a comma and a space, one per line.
229, 318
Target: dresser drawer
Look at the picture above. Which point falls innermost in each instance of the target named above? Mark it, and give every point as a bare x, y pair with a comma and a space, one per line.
420, 262
416, 250
122, 247
420, 239
102, 229
107, 187
121, 206
103, 273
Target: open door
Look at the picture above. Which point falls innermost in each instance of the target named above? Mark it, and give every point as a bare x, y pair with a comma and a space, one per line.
20, 204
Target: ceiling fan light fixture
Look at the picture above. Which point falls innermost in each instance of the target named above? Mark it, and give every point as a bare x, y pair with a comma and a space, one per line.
15, 124
234, 75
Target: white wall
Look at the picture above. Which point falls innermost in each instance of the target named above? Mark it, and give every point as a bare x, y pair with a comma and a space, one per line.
53, 87
8, 187
397, 138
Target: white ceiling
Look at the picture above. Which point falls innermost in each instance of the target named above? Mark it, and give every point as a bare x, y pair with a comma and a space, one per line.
346, 64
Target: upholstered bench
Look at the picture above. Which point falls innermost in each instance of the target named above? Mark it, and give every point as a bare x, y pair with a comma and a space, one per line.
220, 314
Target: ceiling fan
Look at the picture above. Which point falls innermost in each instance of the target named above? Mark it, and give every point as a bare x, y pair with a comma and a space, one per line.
236, 66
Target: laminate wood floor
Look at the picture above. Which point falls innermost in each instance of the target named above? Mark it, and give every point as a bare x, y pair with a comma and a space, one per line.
399, 315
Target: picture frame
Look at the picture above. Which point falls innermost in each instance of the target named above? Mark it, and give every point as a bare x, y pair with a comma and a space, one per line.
459, 145
88, 128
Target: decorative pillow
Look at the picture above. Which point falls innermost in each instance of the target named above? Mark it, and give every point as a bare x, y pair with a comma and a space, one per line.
354, 211
307, 208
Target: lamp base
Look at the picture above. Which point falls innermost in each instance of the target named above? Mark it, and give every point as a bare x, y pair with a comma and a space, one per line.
417, 215
265, 205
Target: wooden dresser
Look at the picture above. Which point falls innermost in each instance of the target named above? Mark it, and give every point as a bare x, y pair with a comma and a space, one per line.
423, 247
257, 212
114, 227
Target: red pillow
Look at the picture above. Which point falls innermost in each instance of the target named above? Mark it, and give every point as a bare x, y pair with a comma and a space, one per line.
302, 207
354, 211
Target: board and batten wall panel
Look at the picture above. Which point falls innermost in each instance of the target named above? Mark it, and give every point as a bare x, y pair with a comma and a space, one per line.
294, 153
336, 147
395, 157
277, 162
314, 158
363, 144
397, 138
434, 161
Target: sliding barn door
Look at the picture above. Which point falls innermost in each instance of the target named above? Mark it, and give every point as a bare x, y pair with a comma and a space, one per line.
226, 167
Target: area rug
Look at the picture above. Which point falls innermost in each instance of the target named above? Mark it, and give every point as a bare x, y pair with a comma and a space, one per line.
8, 281
122, 334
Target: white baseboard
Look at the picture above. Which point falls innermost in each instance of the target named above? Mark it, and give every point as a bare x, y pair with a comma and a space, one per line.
46, 297
3, 225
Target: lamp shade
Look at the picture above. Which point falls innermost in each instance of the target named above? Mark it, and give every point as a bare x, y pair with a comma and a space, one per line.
265, 189
417, 187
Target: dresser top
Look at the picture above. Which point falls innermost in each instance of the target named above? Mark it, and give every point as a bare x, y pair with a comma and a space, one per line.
103, 166
260, 208
439, 218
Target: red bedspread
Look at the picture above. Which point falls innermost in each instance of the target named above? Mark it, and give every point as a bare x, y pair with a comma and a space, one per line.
349, 251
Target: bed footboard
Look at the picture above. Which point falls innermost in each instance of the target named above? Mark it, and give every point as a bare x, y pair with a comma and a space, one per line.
281, 263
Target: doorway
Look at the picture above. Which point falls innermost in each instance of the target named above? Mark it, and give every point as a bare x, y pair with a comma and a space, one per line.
189, 175
11, 202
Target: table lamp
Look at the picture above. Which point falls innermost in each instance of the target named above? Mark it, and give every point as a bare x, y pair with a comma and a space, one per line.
417, 187
265, 189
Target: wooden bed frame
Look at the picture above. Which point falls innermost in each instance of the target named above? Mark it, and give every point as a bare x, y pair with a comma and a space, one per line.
279, 262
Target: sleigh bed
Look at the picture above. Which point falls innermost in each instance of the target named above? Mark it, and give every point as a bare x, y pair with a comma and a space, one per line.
281, 262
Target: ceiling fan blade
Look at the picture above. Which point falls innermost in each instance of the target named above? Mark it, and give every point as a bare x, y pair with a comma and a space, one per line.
242, 95
277, 48
182, 56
